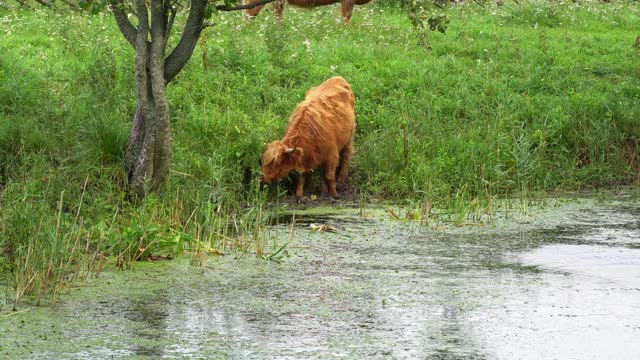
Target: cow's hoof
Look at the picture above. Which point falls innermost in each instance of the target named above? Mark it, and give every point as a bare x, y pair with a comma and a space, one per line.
303, 200
334, 199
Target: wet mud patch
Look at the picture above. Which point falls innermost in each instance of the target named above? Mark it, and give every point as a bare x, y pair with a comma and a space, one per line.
376, 287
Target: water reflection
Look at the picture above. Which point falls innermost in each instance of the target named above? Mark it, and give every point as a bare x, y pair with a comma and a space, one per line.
583, 305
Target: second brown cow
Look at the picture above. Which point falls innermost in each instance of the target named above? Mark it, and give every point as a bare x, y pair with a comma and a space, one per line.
319, 136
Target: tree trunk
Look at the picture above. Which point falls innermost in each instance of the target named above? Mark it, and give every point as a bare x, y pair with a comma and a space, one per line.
148, 155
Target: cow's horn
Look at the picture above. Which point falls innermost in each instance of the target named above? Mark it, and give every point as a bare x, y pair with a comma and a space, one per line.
290, 150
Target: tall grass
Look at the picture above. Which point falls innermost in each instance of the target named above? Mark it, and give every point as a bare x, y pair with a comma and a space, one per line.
540, 96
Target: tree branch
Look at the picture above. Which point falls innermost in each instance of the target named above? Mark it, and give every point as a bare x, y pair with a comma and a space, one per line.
172, 18
142, 54
126, 28
188, 41
159, 22
208, 24
243, 7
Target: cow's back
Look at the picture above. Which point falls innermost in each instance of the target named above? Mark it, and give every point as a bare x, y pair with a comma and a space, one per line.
323, 124
333, 101
336, 89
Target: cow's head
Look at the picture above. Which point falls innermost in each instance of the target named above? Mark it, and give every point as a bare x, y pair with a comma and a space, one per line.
279, 160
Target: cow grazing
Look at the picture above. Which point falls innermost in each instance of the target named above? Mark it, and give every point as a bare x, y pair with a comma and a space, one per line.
347, 6
319, 136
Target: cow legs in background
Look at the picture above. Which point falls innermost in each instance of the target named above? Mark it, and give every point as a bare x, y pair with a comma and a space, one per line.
347, 10
253, 12
278, 5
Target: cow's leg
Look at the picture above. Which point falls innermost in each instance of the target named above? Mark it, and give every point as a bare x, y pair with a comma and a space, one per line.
329, 173
253, 12
300, 186
278, 5
331, 183
347, 10
345, 160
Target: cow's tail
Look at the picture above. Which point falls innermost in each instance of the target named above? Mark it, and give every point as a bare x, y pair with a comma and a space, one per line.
345, 160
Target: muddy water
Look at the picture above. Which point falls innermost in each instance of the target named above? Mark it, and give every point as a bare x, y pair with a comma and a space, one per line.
560, 282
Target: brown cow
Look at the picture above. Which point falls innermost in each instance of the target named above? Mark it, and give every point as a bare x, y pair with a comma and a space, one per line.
347, 6
319, 136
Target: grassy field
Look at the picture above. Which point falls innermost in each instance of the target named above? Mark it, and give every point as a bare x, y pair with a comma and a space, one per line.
512, 99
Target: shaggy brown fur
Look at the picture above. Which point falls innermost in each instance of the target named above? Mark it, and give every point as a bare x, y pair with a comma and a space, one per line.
319, 136
278, 5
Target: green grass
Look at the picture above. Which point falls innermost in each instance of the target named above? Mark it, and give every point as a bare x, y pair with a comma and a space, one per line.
513, 99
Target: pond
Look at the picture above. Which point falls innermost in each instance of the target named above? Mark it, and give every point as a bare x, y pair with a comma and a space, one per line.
561, 282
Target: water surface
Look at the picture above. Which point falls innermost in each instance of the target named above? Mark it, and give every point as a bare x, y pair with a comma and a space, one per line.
565, 284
